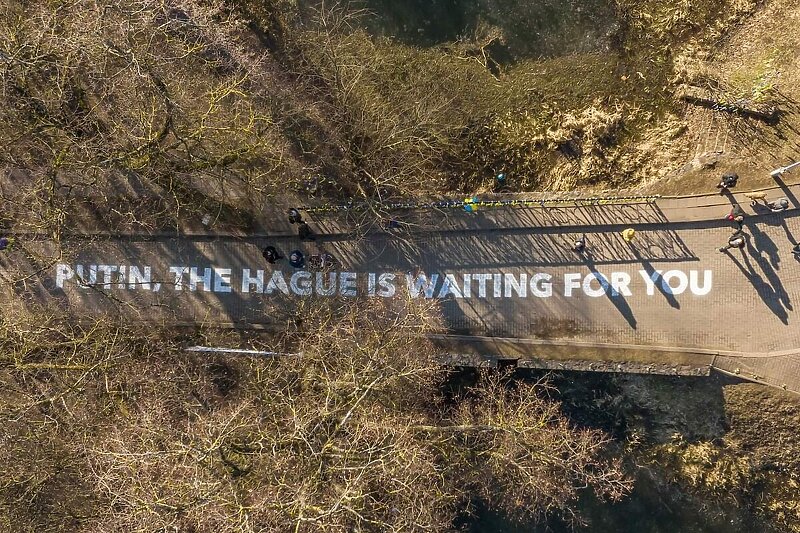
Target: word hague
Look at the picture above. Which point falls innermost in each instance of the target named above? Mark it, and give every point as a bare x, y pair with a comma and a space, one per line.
303, 283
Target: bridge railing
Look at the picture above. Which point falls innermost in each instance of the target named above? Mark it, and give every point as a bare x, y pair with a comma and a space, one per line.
476, 203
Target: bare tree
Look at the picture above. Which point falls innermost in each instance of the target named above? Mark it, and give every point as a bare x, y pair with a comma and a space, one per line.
352, 434
133, 114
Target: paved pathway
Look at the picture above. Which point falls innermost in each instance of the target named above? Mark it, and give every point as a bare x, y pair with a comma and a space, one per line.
504, 272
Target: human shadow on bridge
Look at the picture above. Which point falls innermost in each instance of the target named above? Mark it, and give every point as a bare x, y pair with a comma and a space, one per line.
772, 276
787, 192
658, 282
763, 243
789, 236
617, 299
765, 291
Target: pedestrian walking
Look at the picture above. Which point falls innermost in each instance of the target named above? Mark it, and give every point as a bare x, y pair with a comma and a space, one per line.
728, 181
580, 245
304, 232
297, 259
782, 204
628, 234
6, 243
736, 215
736, 240
271, 254
294, 216
500, 182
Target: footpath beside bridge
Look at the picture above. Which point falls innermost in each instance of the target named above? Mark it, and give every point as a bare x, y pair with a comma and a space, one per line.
509, 285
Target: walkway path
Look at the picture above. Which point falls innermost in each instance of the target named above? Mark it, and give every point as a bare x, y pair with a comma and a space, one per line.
504, 272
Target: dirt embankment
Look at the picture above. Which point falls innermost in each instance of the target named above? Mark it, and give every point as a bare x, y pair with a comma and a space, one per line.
726, 451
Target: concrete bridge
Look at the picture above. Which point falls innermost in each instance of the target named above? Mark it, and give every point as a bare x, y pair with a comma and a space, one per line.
509, 285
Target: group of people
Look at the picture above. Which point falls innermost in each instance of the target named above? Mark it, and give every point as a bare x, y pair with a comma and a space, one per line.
729, 181
303, 229
738, 239
297, 259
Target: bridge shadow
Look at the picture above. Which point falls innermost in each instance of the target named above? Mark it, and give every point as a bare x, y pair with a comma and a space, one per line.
519, 248
579, 213
655, 407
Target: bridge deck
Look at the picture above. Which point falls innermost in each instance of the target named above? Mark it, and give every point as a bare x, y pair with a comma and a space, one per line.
506, 273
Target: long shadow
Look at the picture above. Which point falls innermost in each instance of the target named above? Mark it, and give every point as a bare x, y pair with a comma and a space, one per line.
763, 243
786, 190
584, 215
763, 289
729, 195
773, 278
786, 230
659, 283
615, 297
521, 249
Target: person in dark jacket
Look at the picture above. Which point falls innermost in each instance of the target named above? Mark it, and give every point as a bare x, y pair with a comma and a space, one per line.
736, 240
297, 259
304, 232
737, 215
728, 181
271, 254
294, 216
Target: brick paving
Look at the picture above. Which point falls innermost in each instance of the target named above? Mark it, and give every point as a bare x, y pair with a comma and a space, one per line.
514, 275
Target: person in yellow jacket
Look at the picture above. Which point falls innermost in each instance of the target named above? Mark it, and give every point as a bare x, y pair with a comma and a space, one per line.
628, 234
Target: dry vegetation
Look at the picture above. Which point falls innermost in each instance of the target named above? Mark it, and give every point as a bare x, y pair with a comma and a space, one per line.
754, 464
115, 428
131, 113
140, 115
